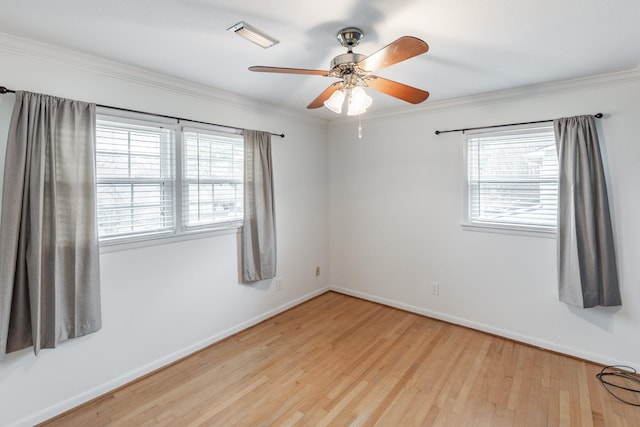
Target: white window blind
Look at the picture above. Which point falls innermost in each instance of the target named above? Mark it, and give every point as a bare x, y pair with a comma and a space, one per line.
513, 179
135, 178
213, 174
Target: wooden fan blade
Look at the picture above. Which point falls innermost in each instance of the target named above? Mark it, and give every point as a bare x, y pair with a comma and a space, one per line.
397, 90
402, 49
288, 70
319, 101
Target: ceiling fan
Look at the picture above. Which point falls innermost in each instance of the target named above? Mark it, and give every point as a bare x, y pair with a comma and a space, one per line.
355, 71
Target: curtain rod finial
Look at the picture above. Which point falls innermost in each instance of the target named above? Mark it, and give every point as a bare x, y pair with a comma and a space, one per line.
599, 116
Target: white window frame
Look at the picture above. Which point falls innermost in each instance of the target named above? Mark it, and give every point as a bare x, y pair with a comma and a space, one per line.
208, 133
498, 227
179, 232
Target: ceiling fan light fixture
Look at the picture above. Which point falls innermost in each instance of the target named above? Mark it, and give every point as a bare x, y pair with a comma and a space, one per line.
253, 34
335, 101
359, 101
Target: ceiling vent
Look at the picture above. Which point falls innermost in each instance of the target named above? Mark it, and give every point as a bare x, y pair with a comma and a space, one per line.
253, 34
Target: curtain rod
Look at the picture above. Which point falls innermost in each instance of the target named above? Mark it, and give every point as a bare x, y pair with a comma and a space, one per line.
438, 132
281, 135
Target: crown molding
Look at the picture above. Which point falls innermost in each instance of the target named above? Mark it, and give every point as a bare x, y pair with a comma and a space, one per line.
41, 51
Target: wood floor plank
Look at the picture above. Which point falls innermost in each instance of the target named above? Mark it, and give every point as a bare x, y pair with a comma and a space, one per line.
338, 360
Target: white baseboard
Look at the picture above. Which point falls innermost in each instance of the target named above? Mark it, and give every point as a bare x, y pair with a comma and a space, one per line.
109, 386
533, 341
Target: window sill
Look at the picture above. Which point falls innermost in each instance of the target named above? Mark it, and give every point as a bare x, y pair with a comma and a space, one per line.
503, 229
145, 241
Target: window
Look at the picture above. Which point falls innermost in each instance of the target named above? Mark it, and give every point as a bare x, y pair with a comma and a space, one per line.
135, 179
512, 179
156, 179
213, 176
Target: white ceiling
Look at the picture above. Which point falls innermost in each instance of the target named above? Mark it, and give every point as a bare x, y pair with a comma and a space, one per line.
475, 46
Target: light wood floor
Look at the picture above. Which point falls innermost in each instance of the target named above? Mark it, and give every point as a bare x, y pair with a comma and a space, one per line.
338, 361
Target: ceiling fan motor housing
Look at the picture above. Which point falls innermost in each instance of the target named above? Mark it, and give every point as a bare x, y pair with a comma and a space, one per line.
344, 65
346, 60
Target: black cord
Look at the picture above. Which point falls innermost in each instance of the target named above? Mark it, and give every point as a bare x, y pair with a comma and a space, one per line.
619, 371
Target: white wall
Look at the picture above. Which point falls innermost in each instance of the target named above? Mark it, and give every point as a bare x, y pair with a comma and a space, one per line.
163, 302
396, 209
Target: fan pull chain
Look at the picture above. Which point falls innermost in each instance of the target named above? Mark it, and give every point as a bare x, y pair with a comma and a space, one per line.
359, 126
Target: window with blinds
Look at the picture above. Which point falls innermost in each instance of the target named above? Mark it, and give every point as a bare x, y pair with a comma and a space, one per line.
512, 179
213, 173
157, 179
135, 179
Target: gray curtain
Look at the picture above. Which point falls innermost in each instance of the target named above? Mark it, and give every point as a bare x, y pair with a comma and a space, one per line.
259, 228
49, 271
587, 272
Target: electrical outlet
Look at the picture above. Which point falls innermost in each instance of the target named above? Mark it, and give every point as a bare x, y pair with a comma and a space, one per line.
435, 288
317, 271
278, 283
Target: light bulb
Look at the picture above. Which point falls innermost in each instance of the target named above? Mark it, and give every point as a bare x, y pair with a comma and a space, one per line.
359, 101
334, 103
